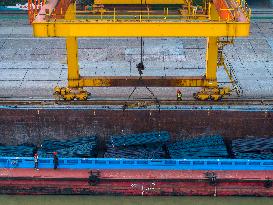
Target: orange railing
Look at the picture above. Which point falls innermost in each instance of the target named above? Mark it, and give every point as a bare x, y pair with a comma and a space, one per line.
61, 8
223, 9
34, 7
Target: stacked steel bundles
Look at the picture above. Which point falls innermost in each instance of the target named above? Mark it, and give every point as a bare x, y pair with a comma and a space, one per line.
253, 148
16, 151
59, 144
198, 147
140, 139
136, 152
76, 147
138, 146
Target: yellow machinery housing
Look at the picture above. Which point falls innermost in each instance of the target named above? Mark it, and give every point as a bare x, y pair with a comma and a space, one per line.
217, 20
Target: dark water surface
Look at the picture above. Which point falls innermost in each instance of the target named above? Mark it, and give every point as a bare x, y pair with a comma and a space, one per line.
267, 4
117, 200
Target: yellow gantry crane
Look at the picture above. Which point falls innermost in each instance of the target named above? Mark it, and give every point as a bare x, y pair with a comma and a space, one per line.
220, 21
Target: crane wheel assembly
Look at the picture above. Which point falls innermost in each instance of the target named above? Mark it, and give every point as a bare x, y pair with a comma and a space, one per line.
68, 94
214, 94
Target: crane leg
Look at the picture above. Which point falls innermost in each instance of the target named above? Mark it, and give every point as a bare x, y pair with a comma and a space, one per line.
212, 92
72, 62
73, 91
211, 58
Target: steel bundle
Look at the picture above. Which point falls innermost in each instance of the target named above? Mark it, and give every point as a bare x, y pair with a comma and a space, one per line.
138, 146
52, 145
140, 139
198, 147
200, 141
149, 146
136, 152
253, 148
76, 147
16, 151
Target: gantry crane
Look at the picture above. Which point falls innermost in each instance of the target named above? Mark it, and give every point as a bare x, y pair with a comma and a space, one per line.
220, 21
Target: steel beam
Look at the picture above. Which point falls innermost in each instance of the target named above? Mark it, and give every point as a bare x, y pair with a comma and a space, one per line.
150, 81
135, 29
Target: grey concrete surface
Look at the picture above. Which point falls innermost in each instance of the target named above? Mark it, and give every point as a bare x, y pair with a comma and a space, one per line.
31, 67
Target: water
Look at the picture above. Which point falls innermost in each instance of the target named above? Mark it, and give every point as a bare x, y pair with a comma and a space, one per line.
260, 4
3, 8
107, 200
116, 200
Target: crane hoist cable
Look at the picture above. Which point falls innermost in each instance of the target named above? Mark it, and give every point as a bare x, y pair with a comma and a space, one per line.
140, 67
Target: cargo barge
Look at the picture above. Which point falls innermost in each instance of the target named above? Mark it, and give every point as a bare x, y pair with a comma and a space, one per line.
212, 177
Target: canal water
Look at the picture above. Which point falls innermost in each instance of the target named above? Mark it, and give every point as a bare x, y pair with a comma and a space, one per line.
260, 4
117, 200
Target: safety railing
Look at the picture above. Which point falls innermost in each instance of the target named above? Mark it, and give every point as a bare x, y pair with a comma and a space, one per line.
61, 8
34, 7
225, 13
145, 15
233, 10
118, 16
152, 164
141, 18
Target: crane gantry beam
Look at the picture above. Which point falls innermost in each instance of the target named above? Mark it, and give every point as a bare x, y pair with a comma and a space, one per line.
144, 29
116, 26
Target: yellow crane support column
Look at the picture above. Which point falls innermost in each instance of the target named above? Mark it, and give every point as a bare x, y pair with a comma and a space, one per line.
212, 49
212, 91
72, 51
72, 61
211, 58
73, 90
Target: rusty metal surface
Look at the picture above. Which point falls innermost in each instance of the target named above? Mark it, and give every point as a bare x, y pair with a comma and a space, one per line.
83, 174
146, 81
33, 125
136, 182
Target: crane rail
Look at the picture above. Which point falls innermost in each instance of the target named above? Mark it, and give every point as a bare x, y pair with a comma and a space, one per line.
143, 102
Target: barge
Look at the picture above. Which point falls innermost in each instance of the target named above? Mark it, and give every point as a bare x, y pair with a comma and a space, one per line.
212, 177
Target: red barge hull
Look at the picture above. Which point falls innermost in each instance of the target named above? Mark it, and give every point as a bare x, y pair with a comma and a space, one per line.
136, 182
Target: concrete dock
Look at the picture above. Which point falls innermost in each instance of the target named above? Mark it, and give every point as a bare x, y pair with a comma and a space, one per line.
31, 67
